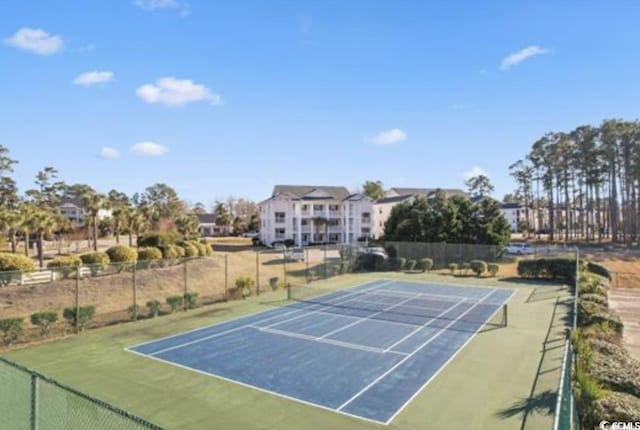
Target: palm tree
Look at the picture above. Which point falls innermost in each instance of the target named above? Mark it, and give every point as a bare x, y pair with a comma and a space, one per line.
43, 223
119, 219
187, 225
140, 219
93, 203
27, 212
10, 221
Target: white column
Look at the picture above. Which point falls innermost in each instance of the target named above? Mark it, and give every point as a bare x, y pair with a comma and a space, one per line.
299, 223
326, 216
346, 223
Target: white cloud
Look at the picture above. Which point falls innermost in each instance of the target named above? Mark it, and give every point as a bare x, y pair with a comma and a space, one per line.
151, 5
149, 149
35, 40
91, 78
174, 92
388, 137
109, 153
518, 57
474, 171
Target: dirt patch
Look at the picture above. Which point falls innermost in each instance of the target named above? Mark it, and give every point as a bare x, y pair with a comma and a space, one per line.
626, 301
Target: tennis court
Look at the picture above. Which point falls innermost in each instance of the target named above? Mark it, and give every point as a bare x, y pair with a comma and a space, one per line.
364, 351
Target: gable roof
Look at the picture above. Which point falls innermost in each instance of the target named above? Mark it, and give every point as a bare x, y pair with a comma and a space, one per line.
311, 192
425, 192
207, 218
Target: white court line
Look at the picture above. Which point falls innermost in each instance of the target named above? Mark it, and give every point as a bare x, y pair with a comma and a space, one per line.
398, 364
408, 306
498, 307
249, 315
311, 311
358, 318
327, 341
255, 387
388, 349
364, 319
441, 297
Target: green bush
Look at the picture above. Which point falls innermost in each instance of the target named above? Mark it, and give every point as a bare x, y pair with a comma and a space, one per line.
478, 267
587, 391
157, 240
11, 329
122, 254
96, 261
465, 267
190, 251
599, 270
82, 318
174, 302
590, 313
134, 311
493, 268
16, 263
191, 299
44, 321
563, 269
244, 287
425, 264
65, 265
171, 252
410, 265
273, 283
149, 254
369, 262
202, 249
396, 263
453, 267
596, 298
154, 308
289, 243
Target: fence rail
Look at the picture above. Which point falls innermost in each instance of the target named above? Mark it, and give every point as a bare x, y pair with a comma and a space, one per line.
30, 400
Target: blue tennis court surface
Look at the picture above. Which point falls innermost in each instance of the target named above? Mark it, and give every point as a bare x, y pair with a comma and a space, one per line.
364, 351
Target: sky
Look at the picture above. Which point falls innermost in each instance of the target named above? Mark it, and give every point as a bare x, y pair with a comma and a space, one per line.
232, 97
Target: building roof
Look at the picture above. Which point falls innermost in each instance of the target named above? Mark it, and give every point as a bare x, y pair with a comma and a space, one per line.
207, 218
425, 192
73, 201
394, 199
312, 192
511, 205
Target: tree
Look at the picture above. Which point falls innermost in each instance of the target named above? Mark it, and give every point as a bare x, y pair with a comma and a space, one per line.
43, 223
239, 226
119, 204
93, 203
199, 209
254, 223
373, 189
187, 225
8, 190
479, 186
164, 200
48, 192
223, 216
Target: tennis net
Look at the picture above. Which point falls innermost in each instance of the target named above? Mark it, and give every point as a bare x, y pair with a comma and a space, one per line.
404, 307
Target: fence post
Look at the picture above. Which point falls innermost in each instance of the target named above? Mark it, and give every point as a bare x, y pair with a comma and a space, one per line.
186, 287
284, 266
258, 272
34, 402
78, 274
306, 258
226, 277
325, 261
135, 293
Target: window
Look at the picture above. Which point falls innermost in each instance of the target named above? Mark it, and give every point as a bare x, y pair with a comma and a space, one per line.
318, 208
304, 221
280, 216
280, 232
333, 237
334, 222
334, 208
305, 207
366, 230
366, 217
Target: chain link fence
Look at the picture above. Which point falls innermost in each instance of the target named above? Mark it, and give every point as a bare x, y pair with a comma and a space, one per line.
32, 401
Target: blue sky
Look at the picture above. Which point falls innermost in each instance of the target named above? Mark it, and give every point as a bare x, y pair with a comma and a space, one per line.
230, 98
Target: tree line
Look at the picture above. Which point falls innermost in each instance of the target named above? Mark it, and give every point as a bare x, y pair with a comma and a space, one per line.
585, 182
35, 214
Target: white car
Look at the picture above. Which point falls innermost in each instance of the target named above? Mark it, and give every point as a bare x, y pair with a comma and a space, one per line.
250, 234
520, 249
294, 254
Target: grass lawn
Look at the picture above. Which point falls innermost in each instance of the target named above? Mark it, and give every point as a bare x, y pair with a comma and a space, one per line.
505, 378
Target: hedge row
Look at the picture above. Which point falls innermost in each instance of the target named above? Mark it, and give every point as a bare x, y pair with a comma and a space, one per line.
563, 269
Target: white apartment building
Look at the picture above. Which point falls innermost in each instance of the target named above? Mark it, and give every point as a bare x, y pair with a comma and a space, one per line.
315, 214
318, 214
73, 210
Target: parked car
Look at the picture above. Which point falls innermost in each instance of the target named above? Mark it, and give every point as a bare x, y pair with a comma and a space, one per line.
294, 254
520, 249
251, 234
375, 250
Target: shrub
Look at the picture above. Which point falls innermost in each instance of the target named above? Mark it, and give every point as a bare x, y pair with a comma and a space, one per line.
596, 298
369, 262
493, 268
453, 267
191, 300
171, 252
311, 275
289, 243
590, 313
478, 267
133, 310
617, 407
82, 318
11, 329
599, 270
122, 254
149, 254
425, 264
244, 287
614, 368
410, 265
96, 261
44, 321
154, 308
563, 269
273, 283
392, 251
174, 302
190, 251
587, 392
157, 240
396, 263
65, 265
16, 263
202, 249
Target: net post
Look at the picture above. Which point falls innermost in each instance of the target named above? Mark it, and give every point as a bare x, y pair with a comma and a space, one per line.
257, 272
325, 261
34, 401
288, 288
505, 317
78, 300
226, 277
135, 292
306, 258
284, 268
